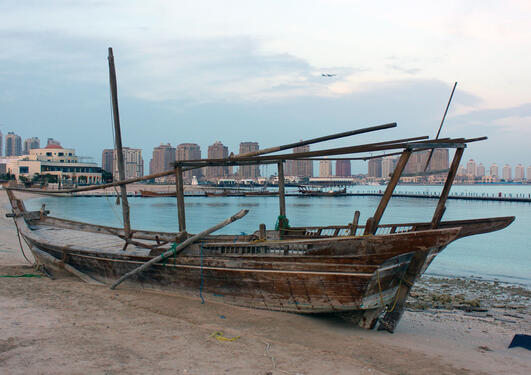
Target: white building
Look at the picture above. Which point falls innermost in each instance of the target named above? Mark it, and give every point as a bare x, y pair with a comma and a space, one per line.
325, 168
134, 164
519, 172
471, 168
55, 161
507, 173
480, 170
493, 171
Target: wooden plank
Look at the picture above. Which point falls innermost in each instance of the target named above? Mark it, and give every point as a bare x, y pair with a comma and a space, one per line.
180, 198
281, 189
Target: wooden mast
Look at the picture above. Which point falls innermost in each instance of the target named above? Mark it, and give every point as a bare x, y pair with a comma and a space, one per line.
281, 190
118, 145
179, 192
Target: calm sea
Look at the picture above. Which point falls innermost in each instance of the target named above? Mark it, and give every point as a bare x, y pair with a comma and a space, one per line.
504, 255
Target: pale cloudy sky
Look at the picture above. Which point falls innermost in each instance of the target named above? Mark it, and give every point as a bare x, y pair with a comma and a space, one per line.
201, 71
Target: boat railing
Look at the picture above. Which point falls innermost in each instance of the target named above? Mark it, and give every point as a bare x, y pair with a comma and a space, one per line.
345, 230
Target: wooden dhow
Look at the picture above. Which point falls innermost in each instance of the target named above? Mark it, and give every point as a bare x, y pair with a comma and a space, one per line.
361, 271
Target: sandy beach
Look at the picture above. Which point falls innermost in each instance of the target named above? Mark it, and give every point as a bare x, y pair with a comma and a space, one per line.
64, 326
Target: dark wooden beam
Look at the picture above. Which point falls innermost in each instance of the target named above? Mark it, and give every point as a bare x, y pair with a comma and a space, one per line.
180, 198
281, 189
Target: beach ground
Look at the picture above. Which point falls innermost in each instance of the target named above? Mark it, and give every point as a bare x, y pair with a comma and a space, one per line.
64, 326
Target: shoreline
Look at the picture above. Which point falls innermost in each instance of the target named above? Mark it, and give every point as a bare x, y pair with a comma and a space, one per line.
129, 331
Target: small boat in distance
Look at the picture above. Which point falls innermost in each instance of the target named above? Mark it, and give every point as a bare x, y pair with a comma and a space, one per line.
154, 194
312, 191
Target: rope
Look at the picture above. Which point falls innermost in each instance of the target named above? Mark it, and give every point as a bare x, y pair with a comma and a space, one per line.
282, 222
220, 336
24, 275
20, 242
202, 280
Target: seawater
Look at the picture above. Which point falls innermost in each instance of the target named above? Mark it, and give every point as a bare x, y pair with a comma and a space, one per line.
504, 255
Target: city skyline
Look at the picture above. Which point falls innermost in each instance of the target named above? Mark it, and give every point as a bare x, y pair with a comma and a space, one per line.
187, 75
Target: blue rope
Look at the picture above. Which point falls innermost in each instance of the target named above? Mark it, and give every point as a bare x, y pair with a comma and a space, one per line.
201, 277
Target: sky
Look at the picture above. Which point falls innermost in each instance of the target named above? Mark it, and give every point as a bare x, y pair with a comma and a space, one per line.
233, 71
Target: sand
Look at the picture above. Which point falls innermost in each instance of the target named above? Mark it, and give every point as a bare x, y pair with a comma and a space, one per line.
65, 326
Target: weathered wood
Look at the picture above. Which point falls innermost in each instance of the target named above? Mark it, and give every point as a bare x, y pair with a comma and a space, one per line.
281, 189
262, 231
389, 190
118, 145
317, 140
180, 198
355, 221
51, 259
182, 246
441, 205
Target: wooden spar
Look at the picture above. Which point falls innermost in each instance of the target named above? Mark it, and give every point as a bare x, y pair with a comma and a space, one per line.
354, 225
118, 145
180, 198
440, 126
74, 271
281, 190
441, 205
181, 247
388, 192
316, 140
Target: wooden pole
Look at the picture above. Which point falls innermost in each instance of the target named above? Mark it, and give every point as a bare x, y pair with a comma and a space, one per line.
355, 222
440, 126
281, 189
118, 145
316, 140
441, 205
388, 192
181, 247
180, 198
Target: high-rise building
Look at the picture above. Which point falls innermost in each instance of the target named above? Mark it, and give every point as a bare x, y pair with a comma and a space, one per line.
107, 160
493, 171
325, 168
507, 172
519, 172
471, 168
388, 166
480, 170
190, 151
217, 151
417, 161
299, 168
13, 144
133, 163
1, 143
248, 171
30, 144
375, 167
343, 168
163, 156
439, 160
528, 173
461, 171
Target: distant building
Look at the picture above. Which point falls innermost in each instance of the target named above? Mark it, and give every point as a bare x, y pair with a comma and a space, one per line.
480, 171
471, 168
248, 171
325, 168
528, 173
1, 143
30, 144
217, 151
107, 160
375, 167
343, 168
417, 161
162, 158
133, 163
507, 172
56, 161
388, 166
299, 168
461, 171
519, 173
52, 141
13, 144
493, 171
190, 151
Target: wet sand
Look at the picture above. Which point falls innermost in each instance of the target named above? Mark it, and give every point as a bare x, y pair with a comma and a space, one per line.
65, 326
